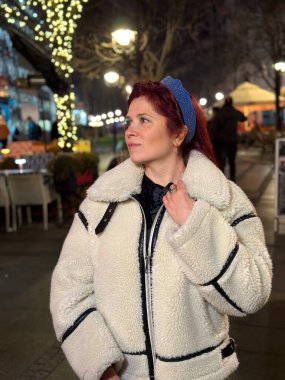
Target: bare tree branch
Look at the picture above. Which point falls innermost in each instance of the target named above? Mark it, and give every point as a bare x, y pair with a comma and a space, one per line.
162, 32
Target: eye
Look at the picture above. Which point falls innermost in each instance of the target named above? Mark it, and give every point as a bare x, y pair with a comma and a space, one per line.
143, 120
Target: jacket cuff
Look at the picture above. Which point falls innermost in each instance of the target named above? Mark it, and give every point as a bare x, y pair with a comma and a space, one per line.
179, 235
91, 348
203, 244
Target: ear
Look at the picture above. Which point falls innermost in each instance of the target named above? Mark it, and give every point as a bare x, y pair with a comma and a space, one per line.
181, 136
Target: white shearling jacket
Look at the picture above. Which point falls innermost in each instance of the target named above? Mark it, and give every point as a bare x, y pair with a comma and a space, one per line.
169, 320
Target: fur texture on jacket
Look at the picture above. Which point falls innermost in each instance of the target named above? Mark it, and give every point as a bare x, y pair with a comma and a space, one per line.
213, 266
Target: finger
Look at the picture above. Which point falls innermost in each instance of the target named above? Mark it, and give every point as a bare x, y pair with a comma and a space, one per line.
165, 201
168, 197
172, 188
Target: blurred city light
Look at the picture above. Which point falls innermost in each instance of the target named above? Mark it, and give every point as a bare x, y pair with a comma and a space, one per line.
124, 36
279, 66
203, 102
20, 162
111, 77
128, 89
219, 96
5, 151
106, 119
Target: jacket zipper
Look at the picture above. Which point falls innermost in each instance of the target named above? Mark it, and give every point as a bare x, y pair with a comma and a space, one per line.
147, 262
148, 282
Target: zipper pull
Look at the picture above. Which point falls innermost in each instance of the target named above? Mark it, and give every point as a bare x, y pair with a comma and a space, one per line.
147, 262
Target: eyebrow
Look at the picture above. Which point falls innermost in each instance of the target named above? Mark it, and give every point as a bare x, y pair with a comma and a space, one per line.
139, 115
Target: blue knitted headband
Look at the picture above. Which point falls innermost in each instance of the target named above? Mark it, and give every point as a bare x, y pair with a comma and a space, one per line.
184, 102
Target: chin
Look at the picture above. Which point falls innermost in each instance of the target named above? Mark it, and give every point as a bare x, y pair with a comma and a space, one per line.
137, 158
137, 161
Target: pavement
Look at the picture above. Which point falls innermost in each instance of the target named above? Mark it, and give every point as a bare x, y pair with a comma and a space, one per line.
28, 348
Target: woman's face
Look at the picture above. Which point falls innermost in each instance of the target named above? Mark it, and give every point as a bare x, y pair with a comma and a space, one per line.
147, 136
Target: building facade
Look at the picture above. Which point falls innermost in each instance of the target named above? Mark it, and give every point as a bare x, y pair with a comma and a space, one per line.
18, 98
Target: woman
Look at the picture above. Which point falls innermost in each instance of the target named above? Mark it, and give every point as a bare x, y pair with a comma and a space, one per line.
142, 290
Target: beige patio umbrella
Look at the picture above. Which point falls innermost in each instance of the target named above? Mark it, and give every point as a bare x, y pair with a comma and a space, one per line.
249, 93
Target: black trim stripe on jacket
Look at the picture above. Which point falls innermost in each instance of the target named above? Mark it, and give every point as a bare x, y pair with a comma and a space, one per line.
77, 323
226, 297
230, 259
242, 218
135, 353
214, 281
226, 351
106, 218
83, 219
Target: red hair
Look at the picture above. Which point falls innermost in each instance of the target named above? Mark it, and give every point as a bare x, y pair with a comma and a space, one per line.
165, 104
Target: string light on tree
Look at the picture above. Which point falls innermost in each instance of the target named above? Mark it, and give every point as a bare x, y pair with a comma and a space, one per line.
52, 24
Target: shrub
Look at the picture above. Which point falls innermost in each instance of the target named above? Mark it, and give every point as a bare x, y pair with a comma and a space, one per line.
73, 173
63, 165
8, 163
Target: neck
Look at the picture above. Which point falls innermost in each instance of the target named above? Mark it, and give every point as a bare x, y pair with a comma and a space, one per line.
163, 173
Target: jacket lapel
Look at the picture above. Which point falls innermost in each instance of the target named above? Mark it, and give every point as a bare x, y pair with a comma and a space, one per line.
202, 179
117, 184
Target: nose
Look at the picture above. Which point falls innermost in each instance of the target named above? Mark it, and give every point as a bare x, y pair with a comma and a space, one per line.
131, 130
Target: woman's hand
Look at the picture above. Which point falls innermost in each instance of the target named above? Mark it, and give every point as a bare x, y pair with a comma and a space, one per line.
110, 374
178, 203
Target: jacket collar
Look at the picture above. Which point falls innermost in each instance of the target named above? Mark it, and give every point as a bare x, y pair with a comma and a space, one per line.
202, 179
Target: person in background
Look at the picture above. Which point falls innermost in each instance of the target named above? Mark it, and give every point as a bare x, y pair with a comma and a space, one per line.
16, 134
226, 136
4, 132
34, 130
163, 249
213, 125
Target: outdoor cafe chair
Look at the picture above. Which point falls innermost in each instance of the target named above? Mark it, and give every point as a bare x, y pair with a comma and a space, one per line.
5, 201
30, 189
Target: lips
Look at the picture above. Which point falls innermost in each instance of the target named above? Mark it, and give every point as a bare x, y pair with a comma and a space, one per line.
133, 146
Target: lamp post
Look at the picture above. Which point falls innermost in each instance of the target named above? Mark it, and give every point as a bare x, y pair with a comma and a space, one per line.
279, 68
111, 78
124, 38
219, 96
122, 43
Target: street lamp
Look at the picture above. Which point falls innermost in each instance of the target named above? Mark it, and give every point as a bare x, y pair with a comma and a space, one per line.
122, 43
279, 68
219, 96
123, 37
203, 102
111, 78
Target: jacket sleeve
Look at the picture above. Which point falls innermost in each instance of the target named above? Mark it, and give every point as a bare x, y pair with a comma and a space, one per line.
86, 339
226, 258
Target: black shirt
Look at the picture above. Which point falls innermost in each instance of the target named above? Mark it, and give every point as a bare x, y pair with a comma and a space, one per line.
150, 199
